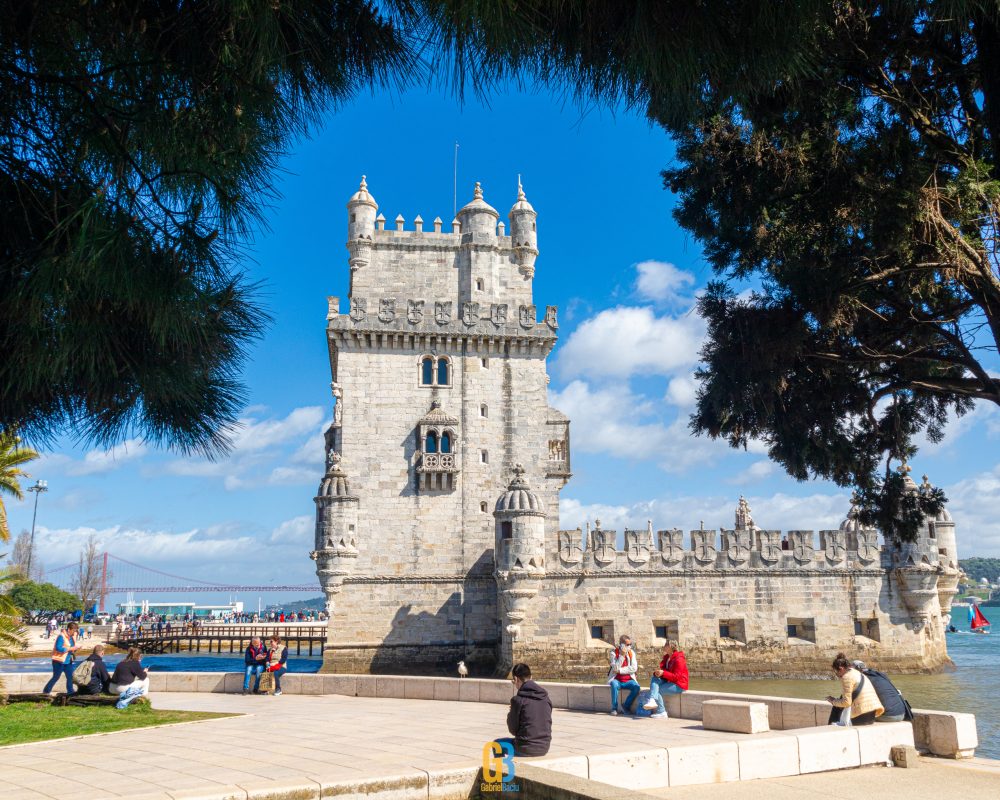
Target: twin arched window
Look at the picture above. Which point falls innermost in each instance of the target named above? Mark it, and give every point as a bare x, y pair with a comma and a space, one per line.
435, 372
433, 443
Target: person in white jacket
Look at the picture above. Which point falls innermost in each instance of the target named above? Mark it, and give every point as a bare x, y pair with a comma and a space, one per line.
621, 675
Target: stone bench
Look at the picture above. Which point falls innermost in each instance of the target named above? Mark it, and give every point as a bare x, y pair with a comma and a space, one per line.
735, 716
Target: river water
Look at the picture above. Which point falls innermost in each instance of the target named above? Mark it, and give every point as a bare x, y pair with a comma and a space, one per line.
972, 686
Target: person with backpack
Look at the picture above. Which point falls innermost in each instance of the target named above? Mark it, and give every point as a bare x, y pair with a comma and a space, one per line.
62, 658
91, 676
896, 707
858, 695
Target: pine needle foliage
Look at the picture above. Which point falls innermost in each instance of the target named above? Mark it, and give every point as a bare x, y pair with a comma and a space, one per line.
138, 145
13, 456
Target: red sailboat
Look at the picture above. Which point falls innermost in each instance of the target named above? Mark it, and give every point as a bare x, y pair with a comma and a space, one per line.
978, 622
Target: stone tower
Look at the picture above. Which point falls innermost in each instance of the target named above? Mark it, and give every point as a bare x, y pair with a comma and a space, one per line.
439, 384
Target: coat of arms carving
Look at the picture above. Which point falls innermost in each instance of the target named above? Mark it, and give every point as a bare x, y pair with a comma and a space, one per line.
770, 546
671, 545
470, 313
526, 316
834, 545
387, 309
414, 311
802, 546
737, 545
570, 549
551, 316
498, 313
603, 543
359, 309
867, 545
442, 312
637, 546
703, 545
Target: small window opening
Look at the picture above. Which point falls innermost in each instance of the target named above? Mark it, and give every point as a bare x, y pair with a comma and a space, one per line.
601, 631
485, 362
930, 530
664, 629
353, 217
446, 442
868, 628
427, 371
483, 506
484, 410
506, 529
432, 443
732, 629
484, 457
442, 372
479, 284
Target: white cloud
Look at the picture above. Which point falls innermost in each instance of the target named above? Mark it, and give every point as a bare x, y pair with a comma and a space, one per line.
627, 340
682, 391
755, 472
261, 434
661, 281
974, 504
627, 425
779, 511
297, 531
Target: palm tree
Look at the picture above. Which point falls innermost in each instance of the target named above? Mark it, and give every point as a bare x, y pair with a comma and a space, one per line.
12, 457
11, 631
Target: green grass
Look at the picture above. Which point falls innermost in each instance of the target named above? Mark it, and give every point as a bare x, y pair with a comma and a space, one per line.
31, 722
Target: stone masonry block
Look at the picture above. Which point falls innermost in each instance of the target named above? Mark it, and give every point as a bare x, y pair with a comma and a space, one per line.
310, 684
389, 686
340, 684
286, 789
768, 757
446, 784
643, 769
734, 715
366, 685
602, 697
905, 757
211, 682
181, 682
419, 688
717, 762
829, 748
581, 698
875, 742
691, 704
11, 682
468, 690
672, 703
157, 681
945, 734
233, 682
446, 689
569, 765
558, 694
798, 714
292, 684
495, 691
409, 785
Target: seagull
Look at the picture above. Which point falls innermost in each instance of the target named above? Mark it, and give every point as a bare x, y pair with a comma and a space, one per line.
463, 671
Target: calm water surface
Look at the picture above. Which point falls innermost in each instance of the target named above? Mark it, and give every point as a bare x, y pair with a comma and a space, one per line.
974, 685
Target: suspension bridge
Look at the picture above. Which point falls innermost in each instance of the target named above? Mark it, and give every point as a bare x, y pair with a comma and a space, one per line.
121, 576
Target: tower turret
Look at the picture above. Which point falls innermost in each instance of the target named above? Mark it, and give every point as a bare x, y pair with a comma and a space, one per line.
336, 550
520, 557
479, 219
523, 233
361, 211
941, 535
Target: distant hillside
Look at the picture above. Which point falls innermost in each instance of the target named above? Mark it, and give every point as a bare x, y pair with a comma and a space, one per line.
312, 604
977, 568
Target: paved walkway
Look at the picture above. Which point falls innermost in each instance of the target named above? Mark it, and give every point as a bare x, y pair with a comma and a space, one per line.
935, 778
323, 738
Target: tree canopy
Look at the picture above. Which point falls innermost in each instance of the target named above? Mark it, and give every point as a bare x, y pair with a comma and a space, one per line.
138, 143
42, 600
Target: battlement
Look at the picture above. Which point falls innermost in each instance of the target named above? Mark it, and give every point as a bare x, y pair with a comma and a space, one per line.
738, 549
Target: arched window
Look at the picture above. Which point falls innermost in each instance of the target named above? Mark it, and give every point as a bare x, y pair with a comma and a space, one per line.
446, 442
427, 371
431, 444
442, 372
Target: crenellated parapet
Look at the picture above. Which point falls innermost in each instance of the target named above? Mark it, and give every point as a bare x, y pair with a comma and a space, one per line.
597, 550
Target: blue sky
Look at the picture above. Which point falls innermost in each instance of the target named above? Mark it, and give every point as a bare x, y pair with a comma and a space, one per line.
623, 275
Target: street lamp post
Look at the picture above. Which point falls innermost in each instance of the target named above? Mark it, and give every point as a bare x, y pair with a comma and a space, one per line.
38, 488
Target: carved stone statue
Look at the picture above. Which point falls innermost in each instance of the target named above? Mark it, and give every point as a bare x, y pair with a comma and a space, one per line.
744, 521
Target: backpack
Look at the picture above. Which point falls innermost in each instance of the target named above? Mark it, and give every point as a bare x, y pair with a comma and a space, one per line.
83, 673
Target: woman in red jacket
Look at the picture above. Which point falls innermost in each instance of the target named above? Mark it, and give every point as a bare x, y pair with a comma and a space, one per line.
671, 678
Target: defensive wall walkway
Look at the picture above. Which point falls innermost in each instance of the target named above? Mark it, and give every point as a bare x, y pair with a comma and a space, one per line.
405, 738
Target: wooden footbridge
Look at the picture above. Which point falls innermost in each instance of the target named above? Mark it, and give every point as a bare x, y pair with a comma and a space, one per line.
300, 639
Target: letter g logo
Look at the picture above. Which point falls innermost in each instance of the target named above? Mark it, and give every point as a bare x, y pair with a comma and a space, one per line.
498, 757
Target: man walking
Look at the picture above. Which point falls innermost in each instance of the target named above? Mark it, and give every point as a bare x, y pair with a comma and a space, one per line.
621, 675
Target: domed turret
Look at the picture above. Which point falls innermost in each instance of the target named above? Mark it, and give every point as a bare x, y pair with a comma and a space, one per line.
478, 216
361, 210
520, 527
523, 234
336, 550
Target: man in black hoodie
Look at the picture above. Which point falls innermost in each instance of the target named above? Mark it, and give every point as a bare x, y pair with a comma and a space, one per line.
530, 715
